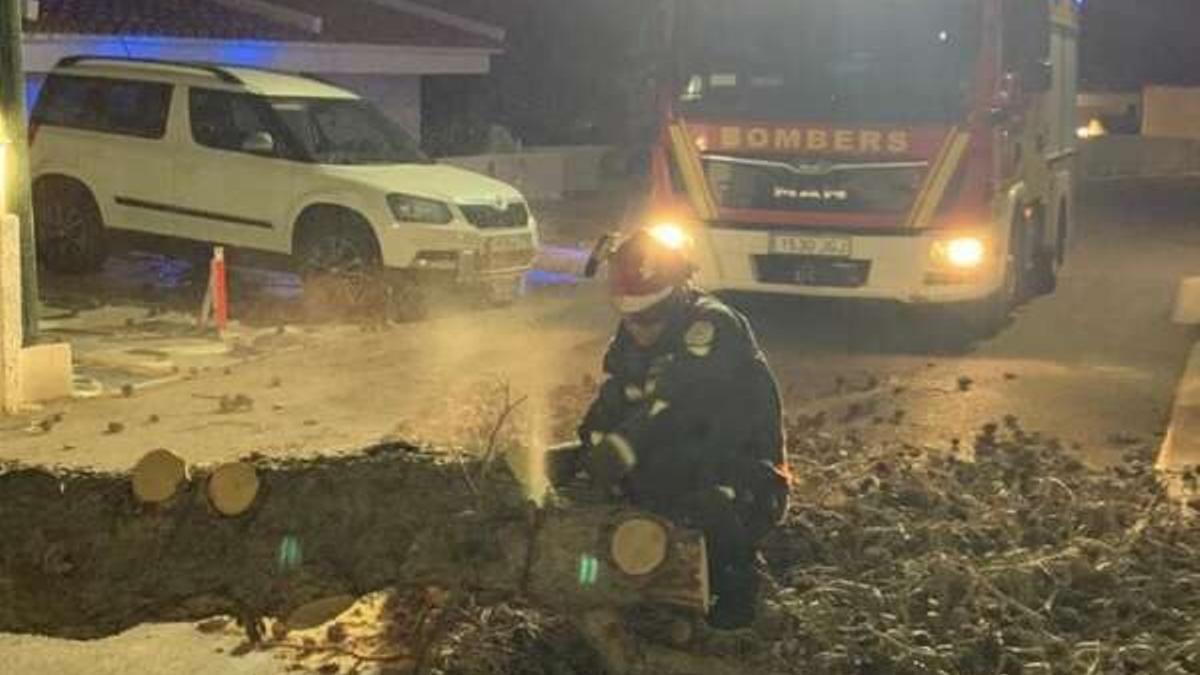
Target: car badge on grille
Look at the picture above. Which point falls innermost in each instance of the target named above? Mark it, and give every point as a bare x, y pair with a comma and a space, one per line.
500, 203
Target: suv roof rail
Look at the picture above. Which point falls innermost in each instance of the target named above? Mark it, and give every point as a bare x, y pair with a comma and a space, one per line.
220, 73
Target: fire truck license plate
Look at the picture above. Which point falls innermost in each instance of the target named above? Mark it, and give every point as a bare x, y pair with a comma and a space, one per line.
824, 246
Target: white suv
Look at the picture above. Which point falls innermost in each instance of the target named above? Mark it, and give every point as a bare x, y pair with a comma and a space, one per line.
259, 161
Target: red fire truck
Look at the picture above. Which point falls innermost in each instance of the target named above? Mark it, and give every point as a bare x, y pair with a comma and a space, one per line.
918, 151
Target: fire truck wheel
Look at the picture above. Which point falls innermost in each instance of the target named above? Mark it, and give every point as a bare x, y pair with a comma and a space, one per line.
1045, 273
1049, 260
988, 316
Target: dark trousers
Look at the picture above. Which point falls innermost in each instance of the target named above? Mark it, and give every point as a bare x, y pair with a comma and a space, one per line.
732, 547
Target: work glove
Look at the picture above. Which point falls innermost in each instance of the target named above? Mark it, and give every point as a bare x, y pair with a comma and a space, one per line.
609, 462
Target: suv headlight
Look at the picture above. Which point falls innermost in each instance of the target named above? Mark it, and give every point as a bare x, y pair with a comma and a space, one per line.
409, 209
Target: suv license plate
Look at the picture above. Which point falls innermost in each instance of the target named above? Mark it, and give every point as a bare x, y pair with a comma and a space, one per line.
826, 247
508, 244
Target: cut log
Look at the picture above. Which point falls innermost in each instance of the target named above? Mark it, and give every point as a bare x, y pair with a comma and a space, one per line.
232, 488
318, 612
157, 476
623, 653
639, 546
81, 560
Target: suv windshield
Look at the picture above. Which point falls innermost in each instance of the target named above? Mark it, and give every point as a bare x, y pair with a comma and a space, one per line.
345, 131
846, 60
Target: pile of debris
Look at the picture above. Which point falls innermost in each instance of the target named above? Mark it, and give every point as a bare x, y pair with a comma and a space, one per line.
1009, 556
1004, 556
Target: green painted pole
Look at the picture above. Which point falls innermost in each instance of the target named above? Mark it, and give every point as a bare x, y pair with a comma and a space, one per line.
13, 128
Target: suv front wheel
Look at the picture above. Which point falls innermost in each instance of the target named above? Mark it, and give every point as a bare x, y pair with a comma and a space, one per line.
339, 260
70, 230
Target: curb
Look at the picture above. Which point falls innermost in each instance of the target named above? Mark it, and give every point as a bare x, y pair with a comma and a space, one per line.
1187, 302
1181, 448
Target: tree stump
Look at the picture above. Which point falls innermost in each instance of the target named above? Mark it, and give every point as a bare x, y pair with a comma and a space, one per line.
639, 546
157, 476
80, 559
232, 488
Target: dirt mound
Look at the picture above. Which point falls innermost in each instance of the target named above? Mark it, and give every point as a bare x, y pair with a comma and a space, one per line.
1003, 556
1006, 557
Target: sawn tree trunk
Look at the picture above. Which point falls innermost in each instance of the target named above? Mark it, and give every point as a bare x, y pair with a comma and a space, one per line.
83, 556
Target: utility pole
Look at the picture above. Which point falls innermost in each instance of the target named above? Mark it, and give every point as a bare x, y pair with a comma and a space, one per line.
16, 187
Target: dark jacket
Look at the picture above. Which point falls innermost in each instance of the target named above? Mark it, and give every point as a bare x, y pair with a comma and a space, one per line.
700, 409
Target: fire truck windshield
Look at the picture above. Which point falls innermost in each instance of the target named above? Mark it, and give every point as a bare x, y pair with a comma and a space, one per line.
902, 61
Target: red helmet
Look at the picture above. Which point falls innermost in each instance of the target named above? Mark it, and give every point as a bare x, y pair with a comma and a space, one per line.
647, 267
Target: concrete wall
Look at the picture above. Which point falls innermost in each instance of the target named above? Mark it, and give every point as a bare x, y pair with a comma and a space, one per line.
27, 374
1171, 112
399, 96
10, 313
1111, 157
1095, 104
542, 173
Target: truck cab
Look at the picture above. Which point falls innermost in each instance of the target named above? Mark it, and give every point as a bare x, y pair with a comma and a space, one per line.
918, 152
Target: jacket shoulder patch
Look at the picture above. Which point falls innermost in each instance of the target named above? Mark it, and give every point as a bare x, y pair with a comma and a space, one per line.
699, 338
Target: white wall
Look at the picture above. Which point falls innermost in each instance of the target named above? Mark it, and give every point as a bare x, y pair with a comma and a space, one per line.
1171, 112
399, 96
1115, 157
542, 173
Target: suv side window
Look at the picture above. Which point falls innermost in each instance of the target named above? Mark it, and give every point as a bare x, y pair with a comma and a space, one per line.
112, 106
226, 121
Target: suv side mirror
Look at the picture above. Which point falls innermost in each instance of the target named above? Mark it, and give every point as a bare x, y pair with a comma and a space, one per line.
259, 143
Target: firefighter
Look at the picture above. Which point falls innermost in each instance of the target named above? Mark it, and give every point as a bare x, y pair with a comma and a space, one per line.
688, 423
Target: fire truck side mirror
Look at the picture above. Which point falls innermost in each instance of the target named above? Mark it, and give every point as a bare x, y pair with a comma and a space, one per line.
1006, 99
1026, 44
1038, 77
600, 253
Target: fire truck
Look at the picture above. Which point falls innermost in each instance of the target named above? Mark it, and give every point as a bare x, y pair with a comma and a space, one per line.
915, 151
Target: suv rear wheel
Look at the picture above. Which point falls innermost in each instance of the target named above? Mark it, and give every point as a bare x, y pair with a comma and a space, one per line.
70, 230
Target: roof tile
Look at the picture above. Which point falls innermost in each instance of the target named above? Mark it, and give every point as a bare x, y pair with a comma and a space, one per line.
345, 21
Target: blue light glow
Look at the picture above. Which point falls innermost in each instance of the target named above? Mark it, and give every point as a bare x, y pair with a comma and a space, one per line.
542, 279
233, 52
248, 53
33, 87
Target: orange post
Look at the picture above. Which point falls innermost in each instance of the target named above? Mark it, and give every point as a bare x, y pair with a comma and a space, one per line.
219, 289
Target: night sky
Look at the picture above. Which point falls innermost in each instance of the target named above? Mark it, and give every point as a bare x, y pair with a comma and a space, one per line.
1128, 43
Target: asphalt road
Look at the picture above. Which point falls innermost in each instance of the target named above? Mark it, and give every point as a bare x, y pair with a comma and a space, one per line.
1095, 364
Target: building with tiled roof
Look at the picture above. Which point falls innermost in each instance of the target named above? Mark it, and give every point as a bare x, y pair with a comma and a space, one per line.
381, 48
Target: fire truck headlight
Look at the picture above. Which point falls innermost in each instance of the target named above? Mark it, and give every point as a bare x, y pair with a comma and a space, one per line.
960, 253
671, 235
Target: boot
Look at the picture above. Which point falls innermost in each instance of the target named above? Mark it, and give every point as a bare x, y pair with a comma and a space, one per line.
736, 588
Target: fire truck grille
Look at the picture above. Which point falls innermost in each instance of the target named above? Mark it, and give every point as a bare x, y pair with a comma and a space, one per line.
812, 271
490, 217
